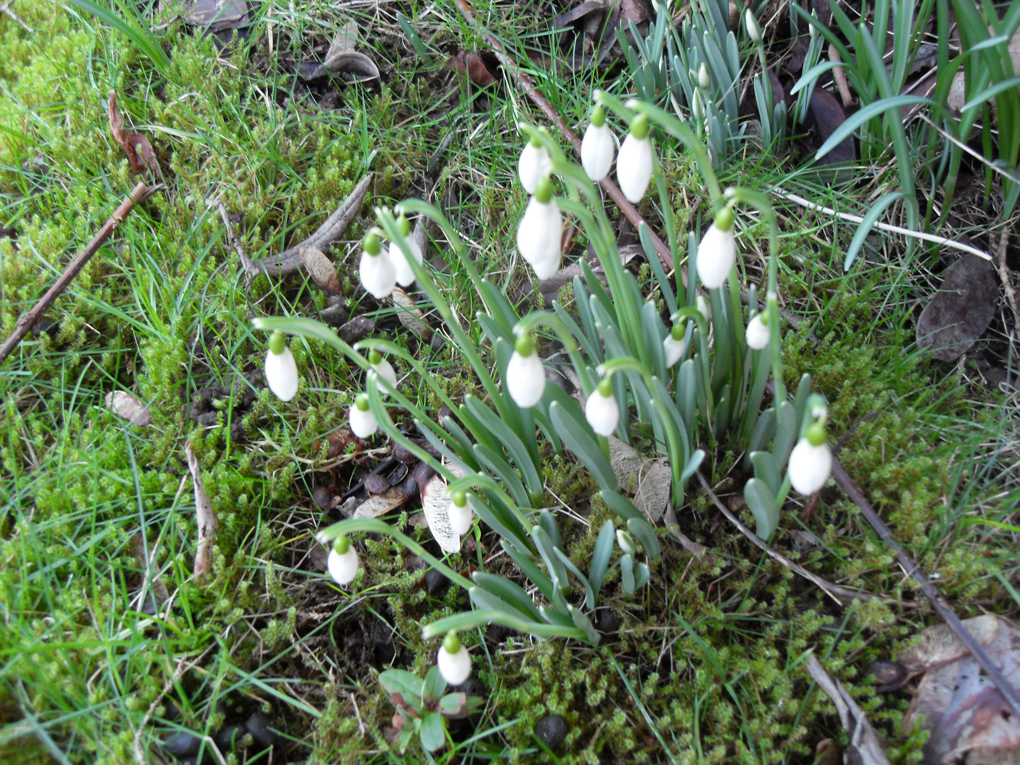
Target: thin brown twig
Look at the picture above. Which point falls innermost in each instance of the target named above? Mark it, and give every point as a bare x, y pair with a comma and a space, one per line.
834, 591
73, 269
1007, 283
5, 9
853, 491
246, 263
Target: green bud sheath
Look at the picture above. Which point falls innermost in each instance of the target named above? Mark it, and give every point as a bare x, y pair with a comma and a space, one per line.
451, 642
678, 330
277, 343
639, 127
605, 387
372, 245
374, 357
362, 402
544, 190
724, 219
524, 346
598, 117
458, 498
341, 544
535, 141
403, 225
815, 434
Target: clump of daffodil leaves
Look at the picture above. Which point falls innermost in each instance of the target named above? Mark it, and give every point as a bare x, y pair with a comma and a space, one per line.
698, 378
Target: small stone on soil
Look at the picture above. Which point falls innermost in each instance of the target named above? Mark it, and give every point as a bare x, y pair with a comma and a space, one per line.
551, 730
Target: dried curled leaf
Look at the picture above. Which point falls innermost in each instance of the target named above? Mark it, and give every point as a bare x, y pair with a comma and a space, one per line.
321, 269
129, 408
137, 147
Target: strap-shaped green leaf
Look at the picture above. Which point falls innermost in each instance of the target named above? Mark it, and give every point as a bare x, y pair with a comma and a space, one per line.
600, 558
552, 616
531, 569
548, 523
666, 289
512, 442
546, 549
787, 431
645, 533
874, 213
573, 569
869, 112
766, 470
502, 470
691, 468
801, 397
654, 334
509, 591
627, 573
581, 621
582, 301
763, 430
484, 600
499, 307
641, 575
762, 504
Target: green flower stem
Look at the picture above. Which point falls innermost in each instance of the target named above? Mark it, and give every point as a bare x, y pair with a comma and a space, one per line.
473, 619
784, 490
465, 344
677, 454
375, 526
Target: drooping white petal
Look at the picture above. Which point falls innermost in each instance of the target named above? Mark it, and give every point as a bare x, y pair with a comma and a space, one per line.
674, 350
525, 379
378, 275
403, 273
461, 518
602, 413
809, 466
386, 371
534, 164
757, 333
363, 423
343, 566
597, 150
717, 253
538, 235
454, 667
546, 268
282, 374
634, 167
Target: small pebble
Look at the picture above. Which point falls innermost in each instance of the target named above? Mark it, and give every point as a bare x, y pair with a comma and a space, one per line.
182, 744
227, 739
551, 730
258, 727
436, 582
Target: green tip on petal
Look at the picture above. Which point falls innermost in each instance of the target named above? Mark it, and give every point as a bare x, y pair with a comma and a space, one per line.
361, 401
277, 343
341, 544
524, 346
639, 127
598, 117
724, 219
535, 141
372, 245
544, 190
374, 357
678, 330
451, 642
815, 434
458, 498
605, 387
403, 226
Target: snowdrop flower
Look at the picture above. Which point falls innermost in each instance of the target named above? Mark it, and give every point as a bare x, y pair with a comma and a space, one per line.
810, 461
404, 274
454, 660
634, 165
534, 164
697, 110
673, 346
601, 410
363, 422
460, 513
378, 276
281, 369
717, 251
538, 235
758, 332
626, 542
703, 78
703, 308
525, 375
343, 562
598, 147
753, 30
384, 369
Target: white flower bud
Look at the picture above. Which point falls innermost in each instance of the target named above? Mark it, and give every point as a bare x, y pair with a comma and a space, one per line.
757, 333
378, 275
454, 665
626, 542
401, 268
602, 412
597, 150
362, 421
538, 235
634, 167
525, 379
753, 30
703, 78
809, 466
460, 514
716, 255
343, 566
385, 370
534, 164
281, 370
674, 349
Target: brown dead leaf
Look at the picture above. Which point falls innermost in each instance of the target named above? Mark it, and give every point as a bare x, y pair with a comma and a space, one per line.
214, 15
129, 408
961, 310
649, 479
380, 504
479, 66
410, 315
969, 720
321, 269
825, 115
205, 519
137, 147
337, 443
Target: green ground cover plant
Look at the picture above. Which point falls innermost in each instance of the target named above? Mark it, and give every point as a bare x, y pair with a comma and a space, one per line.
111, 651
